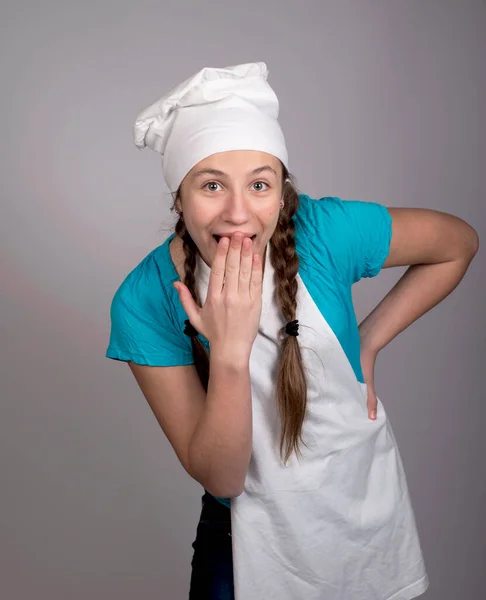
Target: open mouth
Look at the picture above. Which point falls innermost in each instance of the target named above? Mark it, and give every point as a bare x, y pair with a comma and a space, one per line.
218, 237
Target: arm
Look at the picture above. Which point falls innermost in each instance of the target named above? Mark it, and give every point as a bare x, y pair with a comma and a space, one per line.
220, 447
439, 247
210, 434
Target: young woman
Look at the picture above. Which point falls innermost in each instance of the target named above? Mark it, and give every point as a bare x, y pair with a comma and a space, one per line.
241, 333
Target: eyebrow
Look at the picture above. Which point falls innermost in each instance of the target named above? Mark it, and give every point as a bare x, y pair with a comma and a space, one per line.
222, 174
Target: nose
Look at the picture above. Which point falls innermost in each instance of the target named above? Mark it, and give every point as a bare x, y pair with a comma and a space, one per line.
237, 209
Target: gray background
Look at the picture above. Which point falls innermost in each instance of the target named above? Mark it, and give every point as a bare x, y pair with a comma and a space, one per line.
380, 101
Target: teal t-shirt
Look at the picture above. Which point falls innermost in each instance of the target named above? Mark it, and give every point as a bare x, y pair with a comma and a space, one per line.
338, 242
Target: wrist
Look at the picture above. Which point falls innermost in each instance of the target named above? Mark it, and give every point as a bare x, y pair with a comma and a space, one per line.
231, 358
367, 343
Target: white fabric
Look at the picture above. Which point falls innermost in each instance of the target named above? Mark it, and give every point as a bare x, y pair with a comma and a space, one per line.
340, 525
215, 110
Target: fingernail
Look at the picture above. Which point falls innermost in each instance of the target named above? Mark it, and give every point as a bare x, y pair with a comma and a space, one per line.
373, 414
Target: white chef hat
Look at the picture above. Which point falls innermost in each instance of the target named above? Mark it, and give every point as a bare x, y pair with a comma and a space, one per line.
215, 110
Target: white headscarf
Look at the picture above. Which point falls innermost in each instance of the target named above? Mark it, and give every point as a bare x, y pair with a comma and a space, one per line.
215, 110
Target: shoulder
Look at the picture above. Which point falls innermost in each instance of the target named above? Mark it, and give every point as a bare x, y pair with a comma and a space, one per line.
349, 237
333, 212
145, 287
320, 221
146, 324
309, 206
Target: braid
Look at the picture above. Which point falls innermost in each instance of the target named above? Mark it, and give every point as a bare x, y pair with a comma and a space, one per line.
291, 390
199, 352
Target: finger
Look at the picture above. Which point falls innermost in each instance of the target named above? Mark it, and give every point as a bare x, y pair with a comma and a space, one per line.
256, 276
245, 266
218, 265
187, 301
232, 272
372, 408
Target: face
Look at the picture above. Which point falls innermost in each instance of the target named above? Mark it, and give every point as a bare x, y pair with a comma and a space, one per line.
238, 190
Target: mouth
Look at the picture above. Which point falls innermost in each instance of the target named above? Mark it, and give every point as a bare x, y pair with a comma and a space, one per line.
218, 237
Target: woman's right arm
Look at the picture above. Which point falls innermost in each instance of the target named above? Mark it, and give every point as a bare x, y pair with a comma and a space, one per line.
211, 433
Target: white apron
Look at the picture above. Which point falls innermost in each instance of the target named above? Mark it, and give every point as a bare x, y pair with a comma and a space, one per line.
339, 525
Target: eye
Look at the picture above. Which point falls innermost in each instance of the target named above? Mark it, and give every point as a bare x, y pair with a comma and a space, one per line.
261, 183
210, 183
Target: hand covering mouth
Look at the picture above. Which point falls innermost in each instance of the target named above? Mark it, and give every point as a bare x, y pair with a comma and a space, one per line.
218, 237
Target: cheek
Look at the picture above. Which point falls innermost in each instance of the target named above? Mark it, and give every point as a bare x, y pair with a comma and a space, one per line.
271, 214
273, 218
199, 217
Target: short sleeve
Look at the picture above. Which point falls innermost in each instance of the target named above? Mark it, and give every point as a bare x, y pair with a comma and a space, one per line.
354, 235
144, 326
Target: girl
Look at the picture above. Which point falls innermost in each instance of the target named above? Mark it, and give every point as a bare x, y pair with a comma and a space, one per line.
241, 333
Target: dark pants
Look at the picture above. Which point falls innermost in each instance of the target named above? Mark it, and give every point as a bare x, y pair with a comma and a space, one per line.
212, 561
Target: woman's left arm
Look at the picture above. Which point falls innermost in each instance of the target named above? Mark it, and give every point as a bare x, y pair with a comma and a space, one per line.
439, 248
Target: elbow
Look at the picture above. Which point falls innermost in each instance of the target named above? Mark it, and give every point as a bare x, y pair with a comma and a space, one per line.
468, 248
222, 491
233, 493
475, 242
225, 484
472, 242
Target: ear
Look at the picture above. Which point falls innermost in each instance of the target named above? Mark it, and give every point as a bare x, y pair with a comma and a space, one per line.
177, 200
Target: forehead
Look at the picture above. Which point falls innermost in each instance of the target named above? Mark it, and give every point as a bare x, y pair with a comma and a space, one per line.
238, 162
